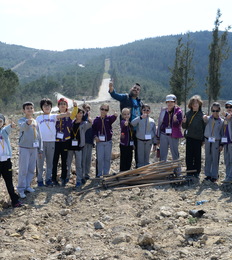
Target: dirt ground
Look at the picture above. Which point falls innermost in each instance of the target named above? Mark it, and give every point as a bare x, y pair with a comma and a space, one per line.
132, 224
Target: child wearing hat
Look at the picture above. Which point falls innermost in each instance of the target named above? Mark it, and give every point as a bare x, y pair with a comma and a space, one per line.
5, 161
169, 129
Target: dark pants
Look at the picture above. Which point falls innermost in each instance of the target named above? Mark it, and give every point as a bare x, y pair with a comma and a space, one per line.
135, 146
60, 149
126, 154
6, 173
193, 155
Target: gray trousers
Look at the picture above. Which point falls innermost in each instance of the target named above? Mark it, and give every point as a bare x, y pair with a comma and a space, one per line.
212, 154
87, 159
228, 161
167, 141
27, 164
104, 150
143, 152
48, 154
78, 160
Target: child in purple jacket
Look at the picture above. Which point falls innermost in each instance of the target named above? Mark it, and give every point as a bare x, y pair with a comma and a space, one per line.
102, 133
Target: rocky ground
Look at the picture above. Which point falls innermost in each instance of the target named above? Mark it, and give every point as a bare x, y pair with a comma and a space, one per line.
135, 224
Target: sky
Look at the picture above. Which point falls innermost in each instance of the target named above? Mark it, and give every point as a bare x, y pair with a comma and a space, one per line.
76, 24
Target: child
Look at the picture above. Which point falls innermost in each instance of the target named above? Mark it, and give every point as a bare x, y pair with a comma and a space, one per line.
126, 141
146, 135
194, 126
87, 150
102, 133
213, 134
63, 134
76, 144
47, 126
29, 144
5, 162
227, 141
169, 129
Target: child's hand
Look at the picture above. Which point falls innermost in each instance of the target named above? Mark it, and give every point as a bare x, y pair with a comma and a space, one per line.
224, 113
205, 117
13, 125
111, 87
184, 119
90, 120
154, 147
29, 121
126, 123
97, 140
74, 103
228, 116
116, 114
174, 117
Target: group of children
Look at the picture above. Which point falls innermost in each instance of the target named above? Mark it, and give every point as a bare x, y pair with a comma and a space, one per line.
66, 134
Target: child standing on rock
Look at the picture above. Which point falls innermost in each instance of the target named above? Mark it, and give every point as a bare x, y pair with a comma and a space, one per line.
5, 161
102, 133
126, 141
29, 145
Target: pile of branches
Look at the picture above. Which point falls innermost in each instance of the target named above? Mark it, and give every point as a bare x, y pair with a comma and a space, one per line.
158, 173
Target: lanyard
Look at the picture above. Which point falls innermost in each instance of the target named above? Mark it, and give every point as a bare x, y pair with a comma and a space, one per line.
147, 125
213, 124
103, 127
61, 122
75, 133
47, 124
192, 118
34, 128
2, 144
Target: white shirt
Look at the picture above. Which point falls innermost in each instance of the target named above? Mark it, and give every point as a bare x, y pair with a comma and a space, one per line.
47, 126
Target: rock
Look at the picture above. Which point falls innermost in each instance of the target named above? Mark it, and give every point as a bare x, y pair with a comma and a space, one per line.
145, 240
194, 230
65, 212
182, 214
121, 238
98, 225
165, 211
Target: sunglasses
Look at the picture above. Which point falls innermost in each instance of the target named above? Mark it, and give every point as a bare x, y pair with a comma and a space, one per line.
137, 89
228, 106
146, 110
104, 109
217, 111
62, 103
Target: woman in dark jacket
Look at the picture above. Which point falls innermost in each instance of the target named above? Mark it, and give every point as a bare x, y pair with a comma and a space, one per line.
194, 126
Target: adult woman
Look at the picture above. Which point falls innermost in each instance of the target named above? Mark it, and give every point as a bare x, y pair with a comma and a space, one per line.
194, 126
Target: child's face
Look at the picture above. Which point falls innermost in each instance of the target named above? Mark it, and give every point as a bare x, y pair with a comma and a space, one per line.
195, 105
126, 115
229, 108
104, 110
170, 104
1, 123
79, 116
28, 110
63, 107
46, 108
215, 112
146, 110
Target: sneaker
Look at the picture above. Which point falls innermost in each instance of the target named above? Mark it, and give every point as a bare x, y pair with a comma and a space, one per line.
87, 177
213, 180
83, 181
29, 189
207, 178
40, 183
49, 183
17, 205
22, 195
78, 184
55, 183
63, 183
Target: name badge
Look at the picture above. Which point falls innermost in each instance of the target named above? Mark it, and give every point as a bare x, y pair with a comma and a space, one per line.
4, 158
131, 143
224, 140
36, 144
211, 139
102, 138
74, 143
60, 135
147, 137
168, 130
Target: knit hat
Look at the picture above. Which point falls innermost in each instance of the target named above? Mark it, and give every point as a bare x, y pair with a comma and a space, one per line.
2, 117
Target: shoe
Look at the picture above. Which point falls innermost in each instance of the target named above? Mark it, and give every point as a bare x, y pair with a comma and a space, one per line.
30, 189
17, 205
67, 180
207, 178
213, 180
87, 177
63, 183
55, 183
49, 183
22, 195
40, 183
78, 184
83, 181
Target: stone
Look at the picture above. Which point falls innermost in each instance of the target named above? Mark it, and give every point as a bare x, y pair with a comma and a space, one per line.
98, 225
194, 230
145, 240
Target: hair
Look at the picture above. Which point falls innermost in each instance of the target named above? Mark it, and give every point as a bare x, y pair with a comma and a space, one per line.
80, 110
27, 103
193, 99
85, 106
145, 105
216, 104
125, 110
105, 105
137, 84
45, 101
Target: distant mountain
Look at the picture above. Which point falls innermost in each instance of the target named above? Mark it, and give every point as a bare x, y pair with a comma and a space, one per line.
79, 72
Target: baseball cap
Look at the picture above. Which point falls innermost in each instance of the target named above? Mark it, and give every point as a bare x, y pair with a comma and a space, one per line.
229, 102
171, 97
62, 100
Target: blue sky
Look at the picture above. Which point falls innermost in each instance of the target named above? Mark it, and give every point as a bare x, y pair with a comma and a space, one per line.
74, 24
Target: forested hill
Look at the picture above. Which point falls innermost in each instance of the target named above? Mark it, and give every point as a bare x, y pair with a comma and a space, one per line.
79, 72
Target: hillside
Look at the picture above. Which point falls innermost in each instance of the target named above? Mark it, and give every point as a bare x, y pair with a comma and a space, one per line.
78, 73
